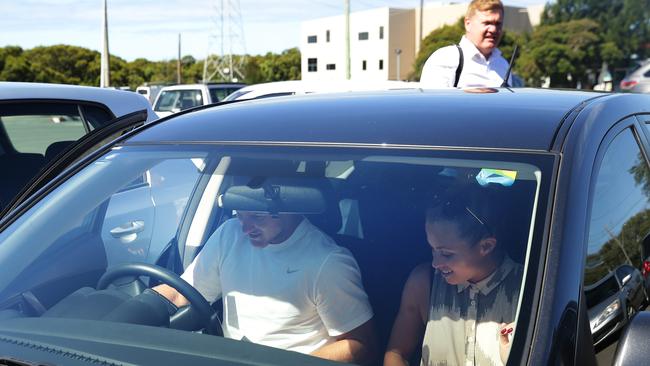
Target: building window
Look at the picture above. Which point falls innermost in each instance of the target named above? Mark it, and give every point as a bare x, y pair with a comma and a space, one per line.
327, 35
311, 39
381, 32
312, 65
381, 64
363, 65
363, 36
331, 66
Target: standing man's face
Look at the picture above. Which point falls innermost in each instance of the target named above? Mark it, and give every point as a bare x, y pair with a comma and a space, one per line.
484, 29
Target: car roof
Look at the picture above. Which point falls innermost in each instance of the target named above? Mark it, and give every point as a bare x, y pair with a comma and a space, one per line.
321, 86
200, 86
507, 119
120, 102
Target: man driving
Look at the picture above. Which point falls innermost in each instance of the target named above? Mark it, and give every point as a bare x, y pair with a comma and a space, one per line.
285, 284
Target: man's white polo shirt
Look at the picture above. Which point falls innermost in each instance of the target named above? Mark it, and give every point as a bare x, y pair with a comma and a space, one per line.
440, 69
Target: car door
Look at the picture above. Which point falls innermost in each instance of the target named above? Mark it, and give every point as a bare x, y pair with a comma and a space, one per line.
619, 219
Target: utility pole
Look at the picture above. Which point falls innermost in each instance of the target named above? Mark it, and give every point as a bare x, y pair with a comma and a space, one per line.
228, 38
420, 30
620, 245
178, 61
347, 40
105, 70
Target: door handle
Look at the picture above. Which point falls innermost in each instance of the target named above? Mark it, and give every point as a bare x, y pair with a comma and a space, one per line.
128, 228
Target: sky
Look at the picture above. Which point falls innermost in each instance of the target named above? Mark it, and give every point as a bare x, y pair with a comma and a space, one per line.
150, 28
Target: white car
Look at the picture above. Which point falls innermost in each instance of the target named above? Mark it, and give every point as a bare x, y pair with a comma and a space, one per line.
298, 87
40, 121
176, 98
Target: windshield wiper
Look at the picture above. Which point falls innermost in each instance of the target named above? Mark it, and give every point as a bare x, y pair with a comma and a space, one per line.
9, 361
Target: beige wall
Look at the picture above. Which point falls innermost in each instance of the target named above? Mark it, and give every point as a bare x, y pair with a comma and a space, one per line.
401, 28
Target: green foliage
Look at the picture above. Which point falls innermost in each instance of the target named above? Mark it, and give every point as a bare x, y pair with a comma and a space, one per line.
76, 65
557, 50
624, 28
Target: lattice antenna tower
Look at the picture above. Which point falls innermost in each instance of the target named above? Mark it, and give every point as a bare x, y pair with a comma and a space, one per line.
226, 44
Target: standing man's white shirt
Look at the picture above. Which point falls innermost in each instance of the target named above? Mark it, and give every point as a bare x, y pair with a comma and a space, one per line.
440, 69
296, 295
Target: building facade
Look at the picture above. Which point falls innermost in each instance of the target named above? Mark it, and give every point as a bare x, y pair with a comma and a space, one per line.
384, 41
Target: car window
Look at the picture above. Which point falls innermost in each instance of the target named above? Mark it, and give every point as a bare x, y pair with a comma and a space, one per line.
218, 94
33, 130
620, 219
178, 100
369, 207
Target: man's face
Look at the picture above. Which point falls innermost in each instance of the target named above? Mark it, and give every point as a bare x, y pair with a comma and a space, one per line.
262, 228
455, 258
484, 29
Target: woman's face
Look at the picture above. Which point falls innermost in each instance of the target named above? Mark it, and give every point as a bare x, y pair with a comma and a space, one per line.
457, 259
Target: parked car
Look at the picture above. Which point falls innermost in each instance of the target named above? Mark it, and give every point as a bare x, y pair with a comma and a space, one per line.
40, 121
614, 300
638, 79
150, 91
300, 87
176, 98
567, 171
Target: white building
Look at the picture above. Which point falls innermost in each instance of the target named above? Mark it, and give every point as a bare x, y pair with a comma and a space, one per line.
384, 39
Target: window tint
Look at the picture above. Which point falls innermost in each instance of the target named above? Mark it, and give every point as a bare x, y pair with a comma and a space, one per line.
363, 36
31, 128
620, 219
312, 39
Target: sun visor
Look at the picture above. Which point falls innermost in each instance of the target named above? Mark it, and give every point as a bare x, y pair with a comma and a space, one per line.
275, 196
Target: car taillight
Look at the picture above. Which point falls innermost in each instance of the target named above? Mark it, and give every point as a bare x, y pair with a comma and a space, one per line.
628, 84
646, 268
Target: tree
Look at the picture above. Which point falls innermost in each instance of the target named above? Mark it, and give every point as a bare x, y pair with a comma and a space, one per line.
565, 52
624, 27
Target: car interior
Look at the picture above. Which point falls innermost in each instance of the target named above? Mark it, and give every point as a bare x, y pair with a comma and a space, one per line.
372, 205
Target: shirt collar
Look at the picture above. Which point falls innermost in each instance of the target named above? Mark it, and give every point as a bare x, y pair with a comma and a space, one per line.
470, 49
489, 283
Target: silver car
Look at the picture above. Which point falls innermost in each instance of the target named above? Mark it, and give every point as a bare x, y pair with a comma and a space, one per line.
638, 79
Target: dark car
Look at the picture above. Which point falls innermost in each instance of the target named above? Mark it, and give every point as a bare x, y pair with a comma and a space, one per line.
567, 175
614, 300
40, 121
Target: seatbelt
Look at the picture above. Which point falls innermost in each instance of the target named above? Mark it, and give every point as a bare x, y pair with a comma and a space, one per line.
459, 68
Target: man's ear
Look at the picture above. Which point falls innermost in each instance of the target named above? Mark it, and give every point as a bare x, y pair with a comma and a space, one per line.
467, 23
487, 245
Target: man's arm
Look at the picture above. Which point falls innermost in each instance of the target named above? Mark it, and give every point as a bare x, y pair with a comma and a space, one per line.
439, 71
411, 318
172, 295
356, 346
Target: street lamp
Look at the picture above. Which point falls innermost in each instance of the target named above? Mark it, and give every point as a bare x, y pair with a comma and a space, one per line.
398, 52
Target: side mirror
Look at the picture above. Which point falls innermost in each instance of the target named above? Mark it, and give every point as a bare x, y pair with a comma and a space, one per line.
626, 279
635, 341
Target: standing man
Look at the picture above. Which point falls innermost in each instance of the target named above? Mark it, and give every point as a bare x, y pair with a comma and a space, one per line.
475, 61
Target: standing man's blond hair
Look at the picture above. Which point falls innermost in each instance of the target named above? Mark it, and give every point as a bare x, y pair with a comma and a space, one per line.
483, 5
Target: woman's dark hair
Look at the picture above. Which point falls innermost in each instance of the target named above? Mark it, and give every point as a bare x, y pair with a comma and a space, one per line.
472, 208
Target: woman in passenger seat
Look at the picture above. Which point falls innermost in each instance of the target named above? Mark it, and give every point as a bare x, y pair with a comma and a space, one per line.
462, 304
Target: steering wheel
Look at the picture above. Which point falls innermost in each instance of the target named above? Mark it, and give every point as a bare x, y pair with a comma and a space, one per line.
204, 312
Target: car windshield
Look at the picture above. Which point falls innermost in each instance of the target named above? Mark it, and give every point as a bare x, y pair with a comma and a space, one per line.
178, 100
166, 204
602, 291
